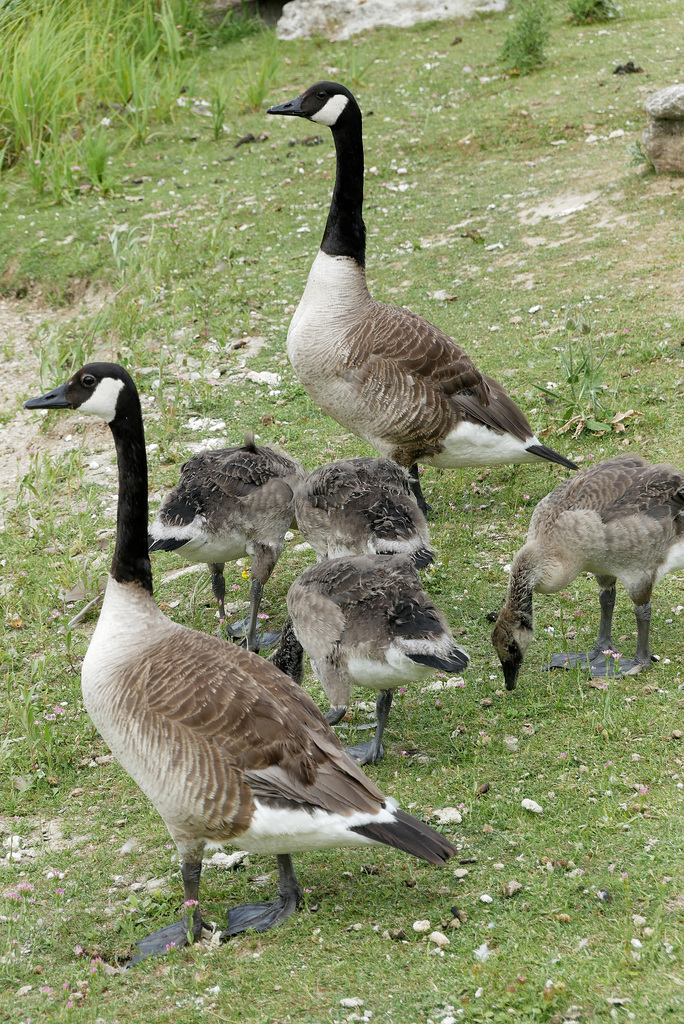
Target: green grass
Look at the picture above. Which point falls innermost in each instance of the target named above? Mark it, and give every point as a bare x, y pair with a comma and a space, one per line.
198, 245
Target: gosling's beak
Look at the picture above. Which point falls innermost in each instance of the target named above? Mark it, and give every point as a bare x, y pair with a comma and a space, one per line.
510, 671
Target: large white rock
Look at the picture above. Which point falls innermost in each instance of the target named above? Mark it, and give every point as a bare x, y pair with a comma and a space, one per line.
343, 19
663, 137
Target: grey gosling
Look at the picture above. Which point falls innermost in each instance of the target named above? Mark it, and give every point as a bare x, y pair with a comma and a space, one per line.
363, 505
385, 373
226, 747
227, 504
620, 520
366, 621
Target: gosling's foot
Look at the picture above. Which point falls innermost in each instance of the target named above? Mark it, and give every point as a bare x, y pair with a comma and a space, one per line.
264, 641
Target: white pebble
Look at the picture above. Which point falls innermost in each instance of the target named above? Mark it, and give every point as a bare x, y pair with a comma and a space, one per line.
439, 939
636, 944
448, 815
531, 805
351, 1002
486, 898
129, 846
421, 926
460, 872
638, 920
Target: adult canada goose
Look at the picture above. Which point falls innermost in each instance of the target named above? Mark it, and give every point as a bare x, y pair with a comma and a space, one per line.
230, 503
362, 505
366, 621
226, 746
385, 373
620, 520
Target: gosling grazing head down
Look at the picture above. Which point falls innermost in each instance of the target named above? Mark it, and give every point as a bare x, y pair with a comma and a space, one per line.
226, 747
620, 520
383, 372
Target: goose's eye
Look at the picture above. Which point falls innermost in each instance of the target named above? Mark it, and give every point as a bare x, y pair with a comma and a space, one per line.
322, 95
88, 381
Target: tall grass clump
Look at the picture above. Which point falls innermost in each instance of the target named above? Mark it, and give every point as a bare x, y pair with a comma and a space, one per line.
523, 48
585, 11
63, 61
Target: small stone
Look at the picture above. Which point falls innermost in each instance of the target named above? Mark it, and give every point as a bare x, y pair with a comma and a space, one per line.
563, 918
448, 816
527, 729
512, 888
636, 944
638, 920
531, 805
486, 898
460, 872
677, 734
439, 939
422, 926
24, 990
130, 846
351, 1002
648, 933
511, 744
498, 866
454, 923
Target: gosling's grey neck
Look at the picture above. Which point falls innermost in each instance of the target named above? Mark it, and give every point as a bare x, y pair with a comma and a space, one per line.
526, 573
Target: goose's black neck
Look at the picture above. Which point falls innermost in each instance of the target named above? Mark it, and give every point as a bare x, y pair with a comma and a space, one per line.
131, 563
345, 232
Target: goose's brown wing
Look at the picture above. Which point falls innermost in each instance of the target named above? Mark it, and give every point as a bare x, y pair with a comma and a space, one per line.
232, 714
416, 347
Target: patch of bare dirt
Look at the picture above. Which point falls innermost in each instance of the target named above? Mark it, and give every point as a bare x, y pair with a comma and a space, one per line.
20, 431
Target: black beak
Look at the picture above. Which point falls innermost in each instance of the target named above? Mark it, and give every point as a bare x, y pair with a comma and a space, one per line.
293, 108
55, 399
510, 671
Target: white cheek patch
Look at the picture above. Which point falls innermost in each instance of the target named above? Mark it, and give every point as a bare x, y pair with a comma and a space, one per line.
103, 400
331, 111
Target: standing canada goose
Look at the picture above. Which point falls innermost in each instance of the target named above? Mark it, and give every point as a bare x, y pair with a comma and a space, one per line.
230, 503
226, 746
620, 520
385, 373
362, 505
366, 621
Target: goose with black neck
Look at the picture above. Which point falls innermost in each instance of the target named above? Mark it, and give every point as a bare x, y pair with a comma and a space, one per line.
226, 747
383, 372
